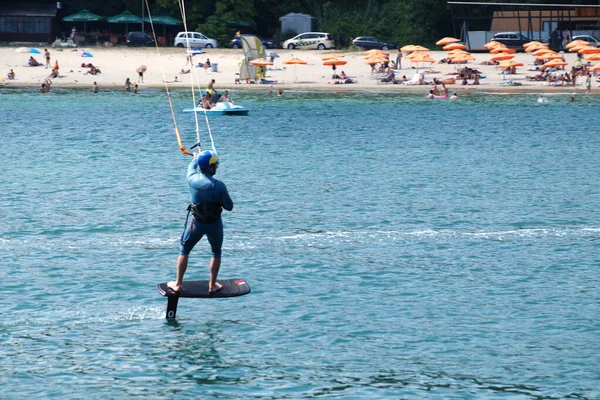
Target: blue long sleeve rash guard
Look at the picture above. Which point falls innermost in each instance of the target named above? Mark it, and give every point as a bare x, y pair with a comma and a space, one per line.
205, 189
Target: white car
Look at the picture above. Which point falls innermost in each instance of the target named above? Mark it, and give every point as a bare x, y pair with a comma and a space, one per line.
310, 40
196, 39
592, 40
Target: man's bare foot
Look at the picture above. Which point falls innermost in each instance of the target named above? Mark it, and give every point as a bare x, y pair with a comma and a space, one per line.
215, 289
174, 287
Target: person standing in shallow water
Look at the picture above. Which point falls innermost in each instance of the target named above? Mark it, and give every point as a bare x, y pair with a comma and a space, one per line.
209, 197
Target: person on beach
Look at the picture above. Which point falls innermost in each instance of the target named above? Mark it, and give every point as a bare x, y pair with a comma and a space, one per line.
135, 89
140, 72
454, 96
209, 197
47, 55
11, 74
399, 59
95, 88
127, 85
33, 62
206, 65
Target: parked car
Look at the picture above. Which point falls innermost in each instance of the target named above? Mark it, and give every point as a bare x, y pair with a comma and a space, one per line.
511, 39
310, 40
371, 42
139, 39
196, 39
236, 42
592, 40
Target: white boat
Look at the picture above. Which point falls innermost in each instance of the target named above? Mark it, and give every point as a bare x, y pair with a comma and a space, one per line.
221, 108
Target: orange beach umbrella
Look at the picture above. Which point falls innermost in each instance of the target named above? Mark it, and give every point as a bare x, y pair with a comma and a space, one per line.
293, 61
509, 64
334, 62
593, 57
261, 62
589, 50
502, 57
454, 46
595, 68
446, 40
576, 43
554, 63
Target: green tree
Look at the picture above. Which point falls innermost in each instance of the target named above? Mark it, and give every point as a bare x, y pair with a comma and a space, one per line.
223, 24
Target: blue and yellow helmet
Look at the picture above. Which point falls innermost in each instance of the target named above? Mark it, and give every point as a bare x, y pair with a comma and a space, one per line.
207, 158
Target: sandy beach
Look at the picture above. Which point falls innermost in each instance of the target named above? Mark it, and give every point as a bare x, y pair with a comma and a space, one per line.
118, 64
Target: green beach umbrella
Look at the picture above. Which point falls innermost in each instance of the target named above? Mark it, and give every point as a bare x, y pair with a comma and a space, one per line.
126, 17
83, 16
164, 20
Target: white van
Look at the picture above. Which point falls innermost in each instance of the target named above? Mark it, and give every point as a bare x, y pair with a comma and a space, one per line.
196, 39
310, 40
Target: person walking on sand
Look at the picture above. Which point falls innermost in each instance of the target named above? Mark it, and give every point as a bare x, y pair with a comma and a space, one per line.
47, 55
209, 197
140, 72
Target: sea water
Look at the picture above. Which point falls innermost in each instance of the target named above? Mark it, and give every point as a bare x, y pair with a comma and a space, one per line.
396, 247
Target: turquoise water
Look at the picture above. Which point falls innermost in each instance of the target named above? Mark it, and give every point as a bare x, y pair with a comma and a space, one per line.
396, 248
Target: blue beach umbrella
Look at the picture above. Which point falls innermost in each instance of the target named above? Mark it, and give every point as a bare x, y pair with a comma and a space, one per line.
34, 51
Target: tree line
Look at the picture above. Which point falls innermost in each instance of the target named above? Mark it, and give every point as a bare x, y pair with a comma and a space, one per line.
398, 21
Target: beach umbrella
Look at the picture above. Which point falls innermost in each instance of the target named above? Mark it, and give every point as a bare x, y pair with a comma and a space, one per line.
593, 57
411, 47
503, 49
85, 54
83, 16
334, 62
375, 52
509, 64
576, 43
163, 20
492, 44
502, 57
34, 51
462, 58
589, 50
531, 49
446, 40
554, 63
533, 42
454, 46
126, 17
261, 62
293, 61
576, 48
595, 68
375, 60
542, 51
142, 69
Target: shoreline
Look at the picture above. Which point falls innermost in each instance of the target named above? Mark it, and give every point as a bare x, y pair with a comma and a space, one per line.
118, 64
